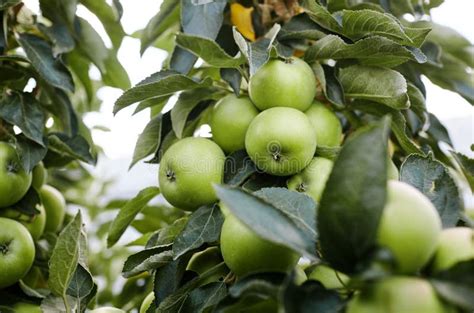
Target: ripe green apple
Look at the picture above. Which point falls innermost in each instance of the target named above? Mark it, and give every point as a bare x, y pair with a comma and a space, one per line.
409, 227
230, 120
187, 171
107, 309
34, 224
398, 294
455, 245
328, 277
283, 83
244, 252
224, 210
14, 180
392, 170
327, 125
23, 307
17, 251
300, 275
39, 176
203, 261
281, 141
54, 206
312, 180
147, 302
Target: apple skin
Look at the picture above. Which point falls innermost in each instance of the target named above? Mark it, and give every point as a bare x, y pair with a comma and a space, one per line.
17, 252
55, 206
455, 245
283, 83
409, 227
107, 309
14, 180
392, 170
187, 171
147, 302
224, 209
35, 224
23, 307
203, 261
328, 277
281, 141
326, 123
398, 294
230, 120
244, 252
39, 176
300, 276
312, 180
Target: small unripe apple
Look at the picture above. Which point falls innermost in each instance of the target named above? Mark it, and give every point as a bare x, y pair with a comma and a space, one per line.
455, 245
328, 277
326, 123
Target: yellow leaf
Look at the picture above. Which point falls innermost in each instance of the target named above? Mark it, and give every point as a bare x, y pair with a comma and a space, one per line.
241, 17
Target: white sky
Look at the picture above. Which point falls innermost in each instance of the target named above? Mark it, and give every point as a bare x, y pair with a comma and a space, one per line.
120, 141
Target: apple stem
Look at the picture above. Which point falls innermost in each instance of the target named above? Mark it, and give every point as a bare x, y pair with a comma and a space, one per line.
12, 167
301, 188
289, 60
4, 248
170, 175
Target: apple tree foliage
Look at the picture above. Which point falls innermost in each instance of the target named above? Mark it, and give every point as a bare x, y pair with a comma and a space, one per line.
46, 89
368, 58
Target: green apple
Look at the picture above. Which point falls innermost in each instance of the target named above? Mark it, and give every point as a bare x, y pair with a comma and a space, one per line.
245, 252
54, 206
281, 141
224, 209
283, 83
39, 176
398, 294
107, 309
455, 245
300, 275
230, 120
17, 251
409, 227
312, 179
34, 224
326, 123
23, 307
147, 302
203, 261
187, 171
328, 277
14, 180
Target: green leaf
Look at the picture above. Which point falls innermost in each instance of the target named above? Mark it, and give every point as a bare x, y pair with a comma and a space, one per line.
148, 141
329, 83
82, 283
28, 204
300, 208
65, 257
204, 297
238, 167
203, 19
4, 4
467, 167
456, 284
204, 226
61, 107
167, 235
432, 178
157, 104
24, 111
375, 50
263, 285
75, 147
312, 297
209, 51
31, 153
147, 260
355, 191
321, 15
233, 77
168, 278
187, 101
109, 17
265, 220
417, 103
52, 70
437, 130
166, 16
301, 27
159, 84
128, 212
378, 84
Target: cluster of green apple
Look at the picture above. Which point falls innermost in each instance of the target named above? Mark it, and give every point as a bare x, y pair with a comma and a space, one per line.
20, 231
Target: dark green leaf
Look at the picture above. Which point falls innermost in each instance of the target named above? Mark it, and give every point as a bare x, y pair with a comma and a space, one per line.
148, 141
31, 153
329, 83
417, 103
203, 19
81, 284
70, 147
312, 297
233, 77
157, 104
301, 27
265, 220
52, 70
167, 235
28, 204
467, 167
237, 168
209, 51
168, 278
432, 178
437, 130
204, 226
4, 4
147, 260
159, 84
356, 190
377, 84
128, 212
24, 111
375, 50
204, 297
